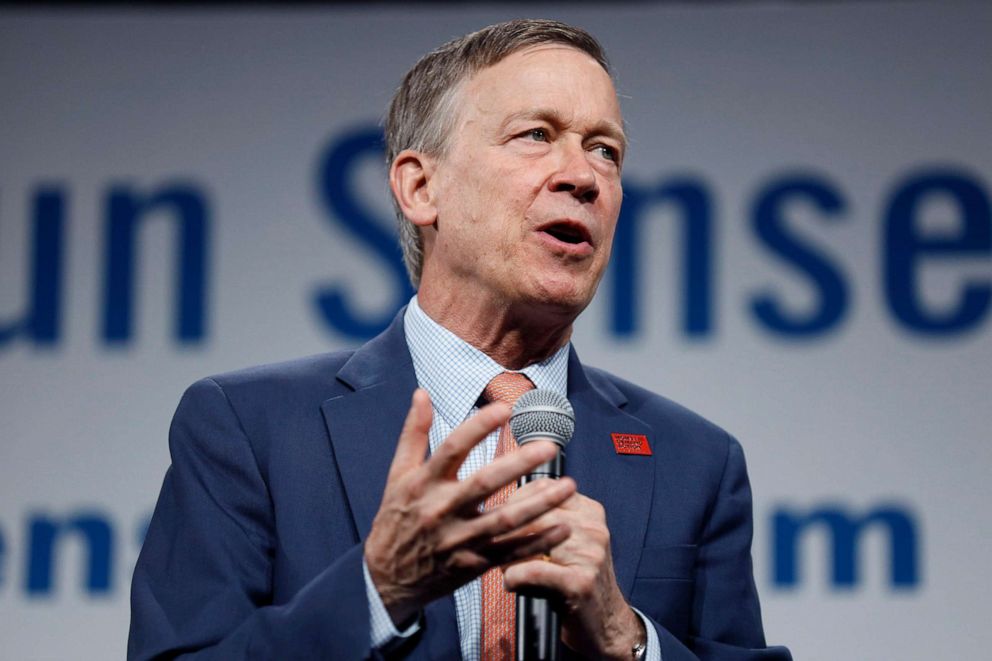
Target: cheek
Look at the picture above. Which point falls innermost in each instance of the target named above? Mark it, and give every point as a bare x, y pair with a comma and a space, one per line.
614, 196
489, 206
612, 213
506, 215
607, 247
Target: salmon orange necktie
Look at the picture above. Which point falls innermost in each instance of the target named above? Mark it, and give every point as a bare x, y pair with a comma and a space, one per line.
499, 607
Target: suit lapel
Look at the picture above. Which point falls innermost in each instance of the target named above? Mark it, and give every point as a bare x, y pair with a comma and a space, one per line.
364, 424
623, 484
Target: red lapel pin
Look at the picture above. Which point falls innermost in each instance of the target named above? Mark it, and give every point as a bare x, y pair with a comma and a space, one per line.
631, 444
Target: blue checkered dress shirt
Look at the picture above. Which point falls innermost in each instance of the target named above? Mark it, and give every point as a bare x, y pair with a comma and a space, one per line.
454, 373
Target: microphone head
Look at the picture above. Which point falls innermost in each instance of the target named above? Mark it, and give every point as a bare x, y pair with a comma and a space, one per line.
542, 414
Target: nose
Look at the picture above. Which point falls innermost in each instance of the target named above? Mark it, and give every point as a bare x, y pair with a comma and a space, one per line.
575, 175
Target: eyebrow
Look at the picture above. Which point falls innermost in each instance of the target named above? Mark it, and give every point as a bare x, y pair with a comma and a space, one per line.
604, 127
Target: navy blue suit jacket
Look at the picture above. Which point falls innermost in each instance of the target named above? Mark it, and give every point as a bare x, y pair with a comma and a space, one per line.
255, 547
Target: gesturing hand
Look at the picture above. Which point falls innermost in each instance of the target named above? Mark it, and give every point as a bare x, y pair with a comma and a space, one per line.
429, 538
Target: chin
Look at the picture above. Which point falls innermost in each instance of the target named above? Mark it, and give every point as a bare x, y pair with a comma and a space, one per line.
563, 296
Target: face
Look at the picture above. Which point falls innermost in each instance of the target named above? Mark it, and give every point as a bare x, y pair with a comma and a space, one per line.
528, 192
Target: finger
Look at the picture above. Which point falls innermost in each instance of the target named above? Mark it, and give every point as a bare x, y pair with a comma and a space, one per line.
583, 504
539, 574
535, 486
502, 471
452, 452
541, 497
412, 445
522, 547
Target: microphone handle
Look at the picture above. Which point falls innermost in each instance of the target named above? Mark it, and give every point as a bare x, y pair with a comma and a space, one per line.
553, 468
538, 624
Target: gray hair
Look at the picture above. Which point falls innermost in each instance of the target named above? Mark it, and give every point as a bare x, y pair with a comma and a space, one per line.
422, 112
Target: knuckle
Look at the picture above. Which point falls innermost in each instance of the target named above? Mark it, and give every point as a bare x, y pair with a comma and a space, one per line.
483, 482
414, 485
585, 582
572, 591
504, 519
529, 574
466, 561
415, 489
429, 518
601, 538
443, 454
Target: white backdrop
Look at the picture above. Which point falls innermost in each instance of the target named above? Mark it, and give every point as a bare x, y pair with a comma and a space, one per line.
811, 137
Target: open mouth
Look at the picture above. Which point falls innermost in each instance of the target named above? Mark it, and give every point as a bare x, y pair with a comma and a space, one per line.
568, 232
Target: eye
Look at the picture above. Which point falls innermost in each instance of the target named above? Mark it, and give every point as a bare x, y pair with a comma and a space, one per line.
608, 152
537, 135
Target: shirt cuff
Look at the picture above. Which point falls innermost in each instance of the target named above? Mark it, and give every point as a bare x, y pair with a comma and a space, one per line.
652, 651
381, 626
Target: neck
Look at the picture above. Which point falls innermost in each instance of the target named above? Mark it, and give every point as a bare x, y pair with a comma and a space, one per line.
514, 336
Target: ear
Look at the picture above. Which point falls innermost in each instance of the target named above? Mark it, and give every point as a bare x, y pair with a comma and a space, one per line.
409, 176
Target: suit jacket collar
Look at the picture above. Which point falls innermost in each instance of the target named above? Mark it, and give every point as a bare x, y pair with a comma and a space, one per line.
365, 422
364, 425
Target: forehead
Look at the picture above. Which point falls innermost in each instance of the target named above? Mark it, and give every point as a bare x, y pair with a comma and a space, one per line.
555, 77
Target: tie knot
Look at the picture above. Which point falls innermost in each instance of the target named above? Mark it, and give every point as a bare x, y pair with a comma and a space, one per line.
507, 387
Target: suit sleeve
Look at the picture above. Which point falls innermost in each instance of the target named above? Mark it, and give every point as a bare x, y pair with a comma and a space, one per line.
202, 584
726, 616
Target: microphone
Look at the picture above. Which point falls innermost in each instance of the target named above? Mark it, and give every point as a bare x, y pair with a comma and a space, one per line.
546, 415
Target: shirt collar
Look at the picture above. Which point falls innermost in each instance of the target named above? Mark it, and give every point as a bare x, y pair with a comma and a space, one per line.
454, 372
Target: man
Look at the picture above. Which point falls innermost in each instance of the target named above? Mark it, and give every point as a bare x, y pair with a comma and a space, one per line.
313, 510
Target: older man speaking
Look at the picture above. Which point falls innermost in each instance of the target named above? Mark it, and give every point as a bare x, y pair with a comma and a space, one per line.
313, 510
